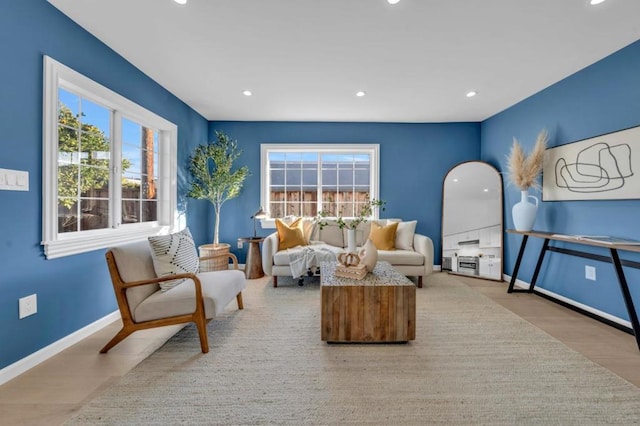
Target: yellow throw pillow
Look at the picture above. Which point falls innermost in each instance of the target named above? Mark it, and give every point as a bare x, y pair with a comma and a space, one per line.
290, 235
383, 237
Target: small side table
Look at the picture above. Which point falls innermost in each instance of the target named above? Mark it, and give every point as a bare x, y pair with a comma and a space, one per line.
253, 266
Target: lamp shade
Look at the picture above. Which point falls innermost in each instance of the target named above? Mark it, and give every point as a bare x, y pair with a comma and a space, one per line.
260, 214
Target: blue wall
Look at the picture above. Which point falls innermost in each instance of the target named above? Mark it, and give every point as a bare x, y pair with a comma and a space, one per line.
602, 98
75, 291
413, 161
72, 291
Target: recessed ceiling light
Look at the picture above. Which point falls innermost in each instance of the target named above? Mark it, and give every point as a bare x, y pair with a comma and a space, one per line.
594, 2
247, 93
393, 1
486, 190
471, 94
360, 94
181, 1
455, 179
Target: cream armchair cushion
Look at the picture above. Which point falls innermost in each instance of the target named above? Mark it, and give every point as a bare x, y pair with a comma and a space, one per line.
143, 305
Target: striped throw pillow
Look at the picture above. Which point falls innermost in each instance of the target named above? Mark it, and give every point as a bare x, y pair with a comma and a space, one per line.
174, 254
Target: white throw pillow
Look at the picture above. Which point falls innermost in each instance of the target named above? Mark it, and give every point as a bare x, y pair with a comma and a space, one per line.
404, 235
332, 234
174, 254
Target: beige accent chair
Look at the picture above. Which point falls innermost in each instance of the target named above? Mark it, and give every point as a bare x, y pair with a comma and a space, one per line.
142, 304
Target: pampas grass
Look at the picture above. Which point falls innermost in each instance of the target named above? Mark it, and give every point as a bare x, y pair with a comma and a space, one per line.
524, 170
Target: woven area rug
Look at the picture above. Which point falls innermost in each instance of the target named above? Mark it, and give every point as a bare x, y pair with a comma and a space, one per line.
473, 362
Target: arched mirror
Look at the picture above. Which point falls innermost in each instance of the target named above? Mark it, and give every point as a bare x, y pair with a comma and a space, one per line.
472, 221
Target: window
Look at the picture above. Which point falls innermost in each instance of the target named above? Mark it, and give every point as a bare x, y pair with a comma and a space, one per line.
302, 180
109, 168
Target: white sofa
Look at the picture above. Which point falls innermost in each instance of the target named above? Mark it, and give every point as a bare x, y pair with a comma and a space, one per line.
416, 262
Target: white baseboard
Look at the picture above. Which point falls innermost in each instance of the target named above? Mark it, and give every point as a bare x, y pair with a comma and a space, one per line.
14, 370
437, 268
586, 308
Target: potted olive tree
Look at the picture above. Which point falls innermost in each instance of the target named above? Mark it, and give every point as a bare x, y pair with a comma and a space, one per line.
214, 179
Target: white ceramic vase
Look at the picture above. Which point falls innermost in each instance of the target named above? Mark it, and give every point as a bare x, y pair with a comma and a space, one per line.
369, 255
351, 240
524, 212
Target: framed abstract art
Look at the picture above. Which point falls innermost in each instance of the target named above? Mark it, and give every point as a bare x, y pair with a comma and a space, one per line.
605, 167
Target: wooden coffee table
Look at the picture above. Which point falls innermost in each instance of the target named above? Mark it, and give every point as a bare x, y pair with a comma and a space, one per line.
379, 308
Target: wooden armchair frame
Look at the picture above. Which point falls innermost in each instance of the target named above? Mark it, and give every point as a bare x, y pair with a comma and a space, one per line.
129, 325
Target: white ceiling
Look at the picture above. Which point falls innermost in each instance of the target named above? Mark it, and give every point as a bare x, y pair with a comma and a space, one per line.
304, 60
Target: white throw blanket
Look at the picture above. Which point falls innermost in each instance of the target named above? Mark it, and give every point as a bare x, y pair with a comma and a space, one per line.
301, 259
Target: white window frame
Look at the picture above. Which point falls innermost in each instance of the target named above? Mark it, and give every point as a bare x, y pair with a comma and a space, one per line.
57, 75
373, 150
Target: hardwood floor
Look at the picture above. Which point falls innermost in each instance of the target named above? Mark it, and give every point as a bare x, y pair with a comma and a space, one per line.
601, 343
50, 393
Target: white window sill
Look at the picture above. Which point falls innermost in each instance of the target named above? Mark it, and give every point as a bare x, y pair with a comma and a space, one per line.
69, 245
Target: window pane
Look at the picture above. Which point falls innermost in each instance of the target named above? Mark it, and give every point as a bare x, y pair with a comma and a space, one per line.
277, 195
276, 209
362, 177
155, 166
329, 178
68, 140
134, 211
148, 188
293, 209
68, 105
67, 215
294, 178
310, 178
130, 211
131, 188
95, 149
292, 195
131, 132
95, 117
149, 211
139, 173
94, 182
309, 209
95, 214
310, 196
277, 177
68, 176
95, 145
276, 158
131, 158
345, 177
293, 157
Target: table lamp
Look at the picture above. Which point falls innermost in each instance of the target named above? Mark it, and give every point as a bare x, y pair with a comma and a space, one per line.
260, 214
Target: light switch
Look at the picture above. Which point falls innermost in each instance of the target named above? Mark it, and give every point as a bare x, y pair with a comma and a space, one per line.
14, 180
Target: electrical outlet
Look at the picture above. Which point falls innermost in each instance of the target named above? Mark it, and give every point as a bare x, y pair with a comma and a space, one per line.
27, 306
239, 244
590, 272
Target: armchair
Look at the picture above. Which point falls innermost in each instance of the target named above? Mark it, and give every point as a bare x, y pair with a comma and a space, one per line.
143, 305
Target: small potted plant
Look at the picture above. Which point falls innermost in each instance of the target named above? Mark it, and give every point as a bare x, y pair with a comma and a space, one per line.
365, 212
214, 179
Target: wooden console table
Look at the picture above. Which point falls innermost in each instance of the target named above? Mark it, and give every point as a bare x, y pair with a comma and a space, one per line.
613, 258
